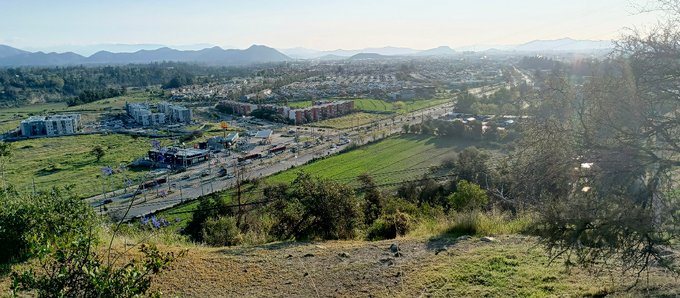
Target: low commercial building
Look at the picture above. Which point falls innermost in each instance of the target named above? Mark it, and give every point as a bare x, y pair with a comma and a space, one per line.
265, 136
220, 143
55, 125
178, 156
231, 139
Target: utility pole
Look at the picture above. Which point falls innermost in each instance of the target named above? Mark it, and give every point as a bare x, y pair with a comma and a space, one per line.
239, 176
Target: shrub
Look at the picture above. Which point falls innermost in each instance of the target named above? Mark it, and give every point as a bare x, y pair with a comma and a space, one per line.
314, 208
73, 269
468, 196
390, 226
493, 222
27, 223
210, 206
221, 231
381, 229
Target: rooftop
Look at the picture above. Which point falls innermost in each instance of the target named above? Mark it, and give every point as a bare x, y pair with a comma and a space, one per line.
264, 134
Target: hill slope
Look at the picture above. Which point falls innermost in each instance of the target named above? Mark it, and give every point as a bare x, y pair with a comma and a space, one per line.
511, 267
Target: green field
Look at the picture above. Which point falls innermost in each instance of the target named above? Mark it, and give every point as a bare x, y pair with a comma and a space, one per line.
300, 104
398, 107
348, 121
389, 161
382, 106
67, 160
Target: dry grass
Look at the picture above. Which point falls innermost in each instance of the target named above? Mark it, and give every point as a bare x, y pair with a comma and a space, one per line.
515, 266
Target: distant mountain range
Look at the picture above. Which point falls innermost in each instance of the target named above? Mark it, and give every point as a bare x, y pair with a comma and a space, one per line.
536, 46
547, 46
88, 50
304, 53
147, 53
211, 56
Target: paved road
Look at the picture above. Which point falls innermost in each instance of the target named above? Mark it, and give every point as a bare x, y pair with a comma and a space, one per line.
178, 190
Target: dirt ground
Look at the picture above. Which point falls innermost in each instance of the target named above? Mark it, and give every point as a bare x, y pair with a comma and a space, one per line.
509, 266
420, 267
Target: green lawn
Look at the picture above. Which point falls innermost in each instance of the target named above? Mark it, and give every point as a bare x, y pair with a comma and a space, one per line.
382, 106
399, 107
348, 121
66, 160
300, 104
389, 161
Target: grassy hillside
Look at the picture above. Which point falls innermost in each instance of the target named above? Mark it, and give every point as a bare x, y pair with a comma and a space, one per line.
348, 121
391, 160
67, 160
382, 106
515, 266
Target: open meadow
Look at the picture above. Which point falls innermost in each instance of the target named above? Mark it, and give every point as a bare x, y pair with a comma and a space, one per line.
67, 160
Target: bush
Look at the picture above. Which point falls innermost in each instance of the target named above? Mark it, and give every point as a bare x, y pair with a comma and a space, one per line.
390, 226
73, 269
27, 223
313, 208
209, 207
468, 196
221, 231
489, 223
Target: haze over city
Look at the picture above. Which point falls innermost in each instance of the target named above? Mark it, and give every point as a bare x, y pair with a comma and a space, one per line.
40, 25
357, 148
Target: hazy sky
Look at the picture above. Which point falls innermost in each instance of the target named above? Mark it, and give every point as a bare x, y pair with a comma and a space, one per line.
319, 24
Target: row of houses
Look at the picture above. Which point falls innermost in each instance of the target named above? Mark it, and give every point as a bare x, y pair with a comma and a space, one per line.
167, 113
54, 125
319, 110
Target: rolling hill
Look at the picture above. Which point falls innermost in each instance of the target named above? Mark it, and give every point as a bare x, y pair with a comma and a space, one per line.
212, 56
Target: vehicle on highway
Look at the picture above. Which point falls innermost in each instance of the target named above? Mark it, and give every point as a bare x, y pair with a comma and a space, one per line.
153, 183
249, 157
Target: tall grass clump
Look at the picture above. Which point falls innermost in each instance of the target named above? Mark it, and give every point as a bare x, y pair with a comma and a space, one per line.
493, 222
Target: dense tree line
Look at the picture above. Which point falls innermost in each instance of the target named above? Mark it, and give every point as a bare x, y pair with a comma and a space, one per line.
80, 84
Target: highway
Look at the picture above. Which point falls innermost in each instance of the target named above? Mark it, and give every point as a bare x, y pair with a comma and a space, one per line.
190, 185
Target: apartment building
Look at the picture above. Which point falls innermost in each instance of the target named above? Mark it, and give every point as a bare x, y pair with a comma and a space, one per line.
55, 125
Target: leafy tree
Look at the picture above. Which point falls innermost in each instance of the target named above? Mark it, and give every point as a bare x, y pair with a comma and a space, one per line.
6, 153
464, 102
98, 152
75, 269
471, 166
59, 231
29, 223
606, 160
373, 200
468, 197
221, 231
315, 208
210, 207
